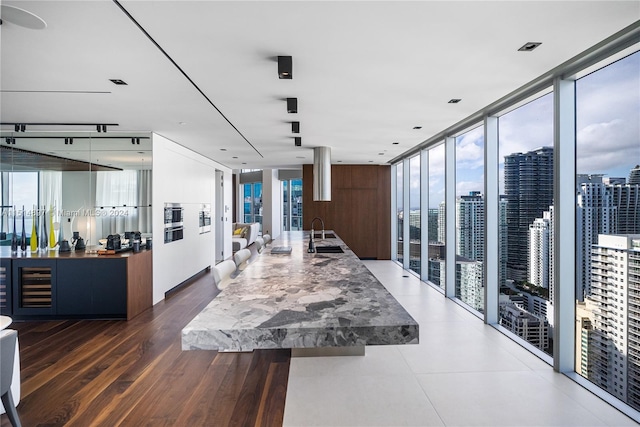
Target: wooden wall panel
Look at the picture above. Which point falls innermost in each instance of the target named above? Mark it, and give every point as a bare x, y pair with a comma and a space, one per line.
364, 177
359, 210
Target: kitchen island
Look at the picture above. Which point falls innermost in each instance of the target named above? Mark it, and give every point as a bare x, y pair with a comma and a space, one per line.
301, 301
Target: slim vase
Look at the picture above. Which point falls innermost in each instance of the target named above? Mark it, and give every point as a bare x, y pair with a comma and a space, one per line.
34, 232
43, 233
23, 238
14, 236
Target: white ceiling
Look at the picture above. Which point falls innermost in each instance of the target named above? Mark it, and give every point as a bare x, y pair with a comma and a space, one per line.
364, 73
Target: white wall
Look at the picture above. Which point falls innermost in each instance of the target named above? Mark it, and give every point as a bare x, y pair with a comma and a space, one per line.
182, 176
271, 203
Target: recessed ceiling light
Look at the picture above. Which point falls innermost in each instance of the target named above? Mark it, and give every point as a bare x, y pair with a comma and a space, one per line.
339, 161
285, 67
235, 157
223, 149
417, 127
380, 154
118, 82
370, 161
295, 127
182, 123
396, 143
529, 46
300, 157
140, 152
244, 163
454, 100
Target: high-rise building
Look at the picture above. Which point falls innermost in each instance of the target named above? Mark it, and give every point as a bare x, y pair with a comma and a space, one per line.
433, 224
604, 206
626, 198
528, 326
470, 226
528, 186
634, 176
441, 222
595, 214
611, 327
539, 251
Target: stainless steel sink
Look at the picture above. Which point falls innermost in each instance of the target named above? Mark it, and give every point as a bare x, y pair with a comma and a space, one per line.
326, 236
329, 250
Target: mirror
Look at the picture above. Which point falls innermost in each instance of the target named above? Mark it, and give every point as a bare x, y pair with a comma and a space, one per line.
90, 184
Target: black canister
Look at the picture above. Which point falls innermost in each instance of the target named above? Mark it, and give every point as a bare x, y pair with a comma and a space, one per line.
149, 242
136, 246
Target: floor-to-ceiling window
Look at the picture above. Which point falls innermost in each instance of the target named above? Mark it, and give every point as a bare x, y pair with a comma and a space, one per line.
414, 214
436, 216
252, 204
19, 190
470, 218
608, 228
400, 211
526, 183
545, 225
292, 205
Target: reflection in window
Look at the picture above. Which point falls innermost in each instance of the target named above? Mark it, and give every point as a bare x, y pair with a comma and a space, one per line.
470, 218
436, 216
252, 203
526, 149
18, 189
414, 213
400, 211
608, 229
292, 205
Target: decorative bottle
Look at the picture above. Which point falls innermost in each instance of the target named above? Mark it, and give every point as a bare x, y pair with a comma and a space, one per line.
23, 238
14, 236
52, 232
34, 232
43, 232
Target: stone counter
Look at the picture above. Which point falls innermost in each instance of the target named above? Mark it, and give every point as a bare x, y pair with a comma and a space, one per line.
301, 300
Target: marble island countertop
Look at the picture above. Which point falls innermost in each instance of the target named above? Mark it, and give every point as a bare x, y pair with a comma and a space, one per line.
301, 300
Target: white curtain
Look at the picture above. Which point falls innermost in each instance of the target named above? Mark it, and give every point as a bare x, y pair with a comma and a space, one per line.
122, 200
50, 197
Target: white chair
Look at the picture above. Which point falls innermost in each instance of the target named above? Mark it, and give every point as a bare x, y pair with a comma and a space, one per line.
221, 273
259, 244
241, 257
8, 342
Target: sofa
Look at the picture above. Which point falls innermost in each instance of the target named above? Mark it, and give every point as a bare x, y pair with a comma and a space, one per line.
244, 235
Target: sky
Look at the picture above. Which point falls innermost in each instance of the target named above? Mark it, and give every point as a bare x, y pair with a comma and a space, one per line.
607, 126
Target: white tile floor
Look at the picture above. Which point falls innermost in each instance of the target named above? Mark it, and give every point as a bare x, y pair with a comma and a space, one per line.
463, 373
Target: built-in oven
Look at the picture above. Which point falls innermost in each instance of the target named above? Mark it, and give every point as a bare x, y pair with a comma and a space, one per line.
173, 222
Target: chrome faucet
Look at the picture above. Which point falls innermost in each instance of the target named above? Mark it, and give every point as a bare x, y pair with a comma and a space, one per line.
321, 222
312, 247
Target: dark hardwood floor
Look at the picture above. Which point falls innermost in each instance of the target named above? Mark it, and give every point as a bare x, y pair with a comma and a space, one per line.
118, 373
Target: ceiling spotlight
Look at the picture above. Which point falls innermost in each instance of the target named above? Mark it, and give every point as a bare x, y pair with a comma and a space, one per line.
298, 141
295, 127
10, 141
529, 46
417, 127
23, 128
68, 141
285, 67
454, 100
135, 141
396, 143
118, 82
292, 105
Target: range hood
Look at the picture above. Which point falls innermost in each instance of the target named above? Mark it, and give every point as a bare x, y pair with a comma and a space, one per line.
322, 174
